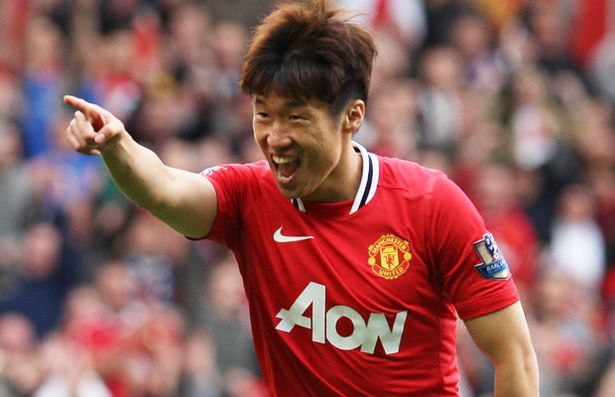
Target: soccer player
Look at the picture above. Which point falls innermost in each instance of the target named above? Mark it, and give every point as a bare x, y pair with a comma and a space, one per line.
355, 266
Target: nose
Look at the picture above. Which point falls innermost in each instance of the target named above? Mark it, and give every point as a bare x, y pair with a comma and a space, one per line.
278, 136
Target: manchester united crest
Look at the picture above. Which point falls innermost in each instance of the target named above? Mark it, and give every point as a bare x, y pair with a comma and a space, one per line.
389, 256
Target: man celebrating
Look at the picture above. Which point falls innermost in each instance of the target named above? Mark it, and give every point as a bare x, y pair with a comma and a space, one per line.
355, 266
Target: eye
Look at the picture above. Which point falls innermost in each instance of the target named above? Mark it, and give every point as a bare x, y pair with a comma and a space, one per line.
262, 115
295, 117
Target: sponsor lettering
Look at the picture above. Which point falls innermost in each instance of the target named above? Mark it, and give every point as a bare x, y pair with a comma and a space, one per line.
365, 335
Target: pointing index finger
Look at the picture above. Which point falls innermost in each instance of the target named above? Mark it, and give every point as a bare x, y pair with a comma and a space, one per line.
96, 115
80, 104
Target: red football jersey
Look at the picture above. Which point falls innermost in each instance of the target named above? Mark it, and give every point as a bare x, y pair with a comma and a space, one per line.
358, 298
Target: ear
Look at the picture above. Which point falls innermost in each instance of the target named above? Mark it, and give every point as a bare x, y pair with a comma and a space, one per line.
353, 116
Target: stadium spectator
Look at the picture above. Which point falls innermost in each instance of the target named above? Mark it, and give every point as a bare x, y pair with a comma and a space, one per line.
574, 225
201, 377
224, 315
42, 278
21, 370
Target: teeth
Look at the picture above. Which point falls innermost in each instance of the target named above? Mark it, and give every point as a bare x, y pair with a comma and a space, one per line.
283, 159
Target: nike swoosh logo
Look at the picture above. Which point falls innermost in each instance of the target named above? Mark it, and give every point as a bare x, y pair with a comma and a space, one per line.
280, 238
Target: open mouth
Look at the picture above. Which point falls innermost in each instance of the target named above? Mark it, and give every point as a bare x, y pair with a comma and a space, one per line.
285, 167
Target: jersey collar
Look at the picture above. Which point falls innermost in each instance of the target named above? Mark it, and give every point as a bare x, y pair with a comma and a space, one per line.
367, 187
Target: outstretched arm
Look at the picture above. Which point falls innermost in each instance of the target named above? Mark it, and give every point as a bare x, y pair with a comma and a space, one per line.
184, 200
504, 337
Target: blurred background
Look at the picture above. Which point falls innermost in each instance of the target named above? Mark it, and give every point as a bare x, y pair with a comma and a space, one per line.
513, 99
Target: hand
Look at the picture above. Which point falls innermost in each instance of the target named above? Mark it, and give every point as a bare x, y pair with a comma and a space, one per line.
93, 128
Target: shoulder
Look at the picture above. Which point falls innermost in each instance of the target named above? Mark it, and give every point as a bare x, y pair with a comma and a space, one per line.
410, 176
443, 199
240, 182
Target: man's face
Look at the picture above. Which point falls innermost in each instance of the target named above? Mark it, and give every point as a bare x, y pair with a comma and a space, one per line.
303, 144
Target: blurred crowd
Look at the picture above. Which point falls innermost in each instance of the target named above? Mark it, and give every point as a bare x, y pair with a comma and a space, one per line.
513, 99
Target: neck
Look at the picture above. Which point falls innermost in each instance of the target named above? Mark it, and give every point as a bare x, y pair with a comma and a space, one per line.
343, 182
351, 173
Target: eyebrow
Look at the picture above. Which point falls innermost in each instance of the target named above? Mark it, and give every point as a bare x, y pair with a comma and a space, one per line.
293, 103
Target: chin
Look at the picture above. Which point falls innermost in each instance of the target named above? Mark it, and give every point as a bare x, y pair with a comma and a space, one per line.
288, 193
292, 193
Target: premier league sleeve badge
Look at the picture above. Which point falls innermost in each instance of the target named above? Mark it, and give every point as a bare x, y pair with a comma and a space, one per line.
493, 266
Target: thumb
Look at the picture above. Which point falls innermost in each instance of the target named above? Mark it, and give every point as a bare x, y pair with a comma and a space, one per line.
109, 132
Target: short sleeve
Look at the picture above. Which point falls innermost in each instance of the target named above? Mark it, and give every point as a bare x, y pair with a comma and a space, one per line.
470, 269
229, 183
